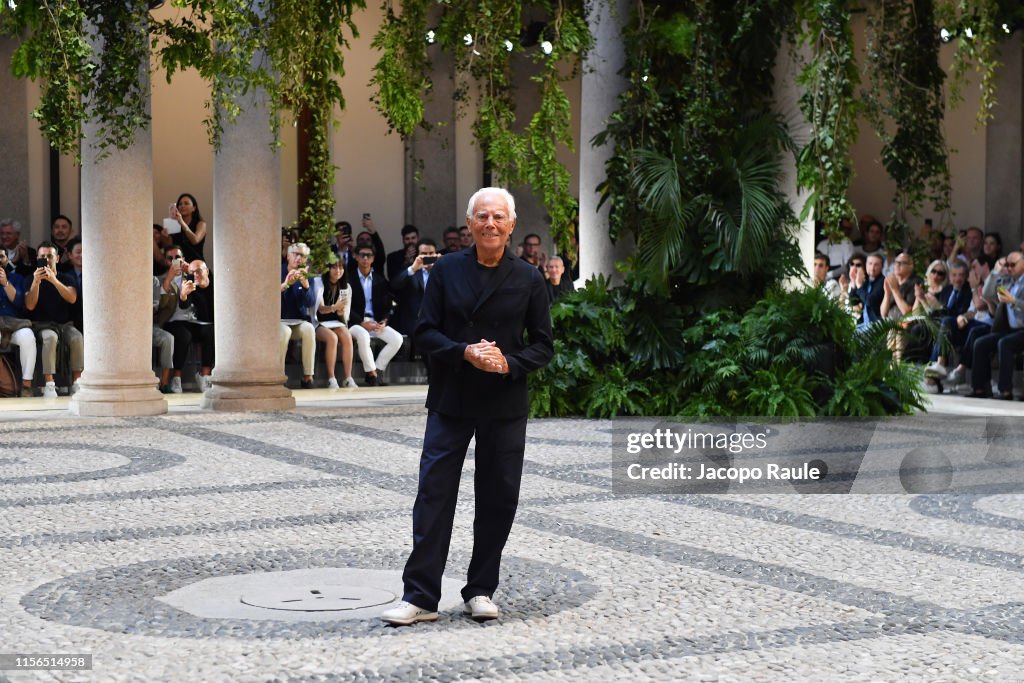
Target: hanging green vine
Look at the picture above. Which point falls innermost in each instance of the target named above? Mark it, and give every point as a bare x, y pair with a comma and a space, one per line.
905, 106
484, 36
829, 78
977, 27
293, 50
89, 57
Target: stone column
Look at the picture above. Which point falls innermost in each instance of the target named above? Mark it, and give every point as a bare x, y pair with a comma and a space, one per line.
430, 200
1004, 148
600, 88
15, 190
117, 279
247, 266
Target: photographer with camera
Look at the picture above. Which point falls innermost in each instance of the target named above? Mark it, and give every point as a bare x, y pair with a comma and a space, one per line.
409, 284
50, 300
297, 299
13, 326
191, 319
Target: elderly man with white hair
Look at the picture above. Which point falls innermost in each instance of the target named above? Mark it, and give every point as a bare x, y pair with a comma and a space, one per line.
296, 303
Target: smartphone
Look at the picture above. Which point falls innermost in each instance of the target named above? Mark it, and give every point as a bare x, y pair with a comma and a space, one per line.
366, 216
1002, 290
188, 277
429, 260
42, 262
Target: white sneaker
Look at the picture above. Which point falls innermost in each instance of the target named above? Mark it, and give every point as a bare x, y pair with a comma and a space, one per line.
957, 376
932, 386
75, 386
50, 390
202, 382
332, 383
175, 385
350, 383
406, 613
481, 608
936, 370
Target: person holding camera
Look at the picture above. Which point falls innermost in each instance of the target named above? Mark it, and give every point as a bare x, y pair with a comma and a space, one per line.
191, 319
297, 299
410, 283
50, 301
13, 326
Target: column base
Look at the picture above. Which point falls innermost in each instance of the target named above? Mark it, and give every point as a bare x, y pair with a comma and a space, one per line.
242, 391
117, 395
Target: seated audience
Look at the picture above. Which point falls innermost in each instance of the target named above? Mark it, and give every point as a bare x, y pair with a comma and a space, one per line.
409, 284
296, 304
50, 299
840, 251
14, 327
19, 254
868, 291
1006, 337
191, 318
557, 282
332, 303
399, 259
371, 310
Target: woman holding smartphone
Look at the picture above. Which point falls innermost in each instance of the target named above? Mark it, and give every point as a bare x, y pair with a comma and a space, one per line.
192, 236
333, 301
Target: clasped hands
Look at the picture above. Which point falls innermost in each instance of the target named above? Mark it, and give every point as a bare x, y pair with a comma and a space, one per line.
485, 355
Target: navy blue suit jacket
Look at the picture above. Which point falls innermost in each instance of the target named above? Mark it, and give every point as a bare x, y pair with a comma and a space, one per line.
513, 312
961, 302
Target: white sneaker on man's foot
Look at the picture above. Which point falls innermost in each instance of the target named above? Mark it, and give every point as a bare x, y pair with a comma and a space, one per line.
956, 376
175, 385
50, 390
332, 383
406, 613
350, 383
481, 608
936, 370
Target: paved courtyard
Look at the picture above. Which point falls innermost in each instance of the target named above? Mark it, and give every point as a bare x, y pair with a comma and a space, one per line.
107, 525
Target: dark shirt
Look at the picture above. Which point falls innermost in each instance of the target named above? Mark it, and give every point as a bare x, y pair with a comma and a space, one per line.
563, 287
296, 300
51, 306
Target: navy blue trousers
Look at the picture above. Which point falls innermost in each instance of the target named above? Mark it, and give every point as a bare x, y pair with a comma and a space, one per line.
500, 443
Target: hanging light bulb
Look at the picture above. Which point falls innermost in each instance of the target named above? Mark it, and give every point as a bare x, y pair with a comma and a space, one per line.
468, 39
1006, 28
431, 37
546, 47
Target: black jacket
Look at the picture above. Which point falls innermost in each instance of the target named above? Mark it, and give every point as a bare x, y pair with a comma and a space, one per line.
408, 291
512, 311
381, 298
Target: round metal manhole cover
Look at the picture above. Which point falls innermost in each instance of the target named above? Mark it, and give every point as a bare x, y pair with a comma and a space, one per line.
318, 598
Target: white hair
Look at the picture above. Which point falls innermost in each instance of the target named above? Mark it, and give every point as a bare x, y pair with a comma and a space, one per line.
299, 248
11, 222
501, 192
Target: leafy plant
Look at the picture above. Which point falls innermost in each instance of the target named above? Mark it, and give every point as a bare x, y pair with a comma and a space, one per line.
829, 102
903, 64
484, 37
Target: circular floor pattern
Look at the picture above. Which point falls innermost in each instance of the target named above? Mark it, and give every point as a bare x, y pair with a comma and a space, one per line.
139, 461
126, 599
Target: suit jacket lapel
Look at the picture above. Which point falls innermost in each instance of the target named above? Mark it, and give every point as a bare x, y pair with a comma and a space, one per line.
504, 270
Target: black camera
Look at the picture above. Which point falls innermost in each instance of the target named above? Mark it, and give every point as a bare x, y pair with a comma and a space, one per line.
42, 262
429, 260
